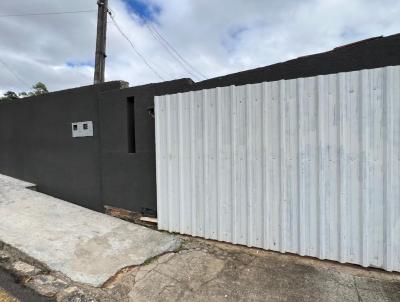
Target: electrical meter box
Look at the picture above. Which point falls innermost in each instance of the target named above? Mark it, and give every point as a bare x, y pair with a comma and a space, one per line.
82, 129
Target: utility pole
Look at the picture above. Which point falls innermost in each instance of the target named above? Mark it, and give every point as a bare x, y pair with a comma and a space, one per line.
100, 61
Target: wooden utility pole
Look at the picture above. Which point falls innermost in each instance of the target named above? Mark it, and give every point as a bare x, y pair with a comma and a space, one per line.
100, 61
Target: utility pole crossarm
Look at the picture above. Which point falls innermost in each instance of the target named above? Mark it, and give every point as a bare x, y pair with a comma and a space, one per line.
100, 60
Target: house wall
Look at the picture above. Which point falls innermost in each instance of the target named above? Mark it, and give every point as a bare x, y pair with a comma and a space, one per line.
371, 53
36, 143
128, 176
308, 166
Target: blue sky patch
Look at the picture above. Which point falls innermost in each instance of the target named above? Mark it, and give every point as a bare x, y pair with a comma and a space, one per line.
73, 64
143, 9
230, 42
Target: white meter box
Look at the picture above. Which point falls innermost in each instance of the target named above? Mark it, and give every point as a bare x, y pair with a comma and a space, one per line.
82, 129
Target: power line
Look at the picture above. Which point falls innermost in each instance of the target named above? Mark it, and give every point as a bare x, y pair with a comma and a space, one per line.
134, 47
37, 14
14, 74
48, 13
165, 46
172, 51
153, 28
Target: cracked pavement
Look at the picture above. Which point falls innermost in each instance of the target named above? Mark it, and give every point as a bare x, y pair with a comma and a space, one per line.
203, 270
209, 271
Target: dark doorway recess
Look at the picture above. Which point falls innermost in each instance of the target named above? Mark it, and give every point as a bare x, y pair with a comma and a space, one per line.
131, 125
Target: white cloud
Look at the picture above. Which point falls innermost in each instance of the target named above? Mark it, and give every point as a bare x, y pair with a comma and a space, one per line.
217, 37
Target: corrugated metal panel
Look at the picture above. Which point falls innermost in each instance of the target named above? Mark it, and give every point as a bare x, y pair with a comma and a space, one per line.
308, 166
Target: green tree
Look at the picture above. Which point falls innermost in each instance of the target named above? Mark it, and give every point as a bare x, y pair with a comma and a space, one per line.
38, 89
9, 96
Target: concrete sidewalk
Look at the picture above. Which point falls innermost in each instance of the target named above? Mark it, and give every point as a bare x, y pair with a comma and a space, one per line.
86, 246
91, 248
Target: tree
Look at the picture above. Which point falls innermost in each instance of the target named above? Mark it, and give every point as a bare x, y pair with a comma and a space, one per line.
38, 89
10, 95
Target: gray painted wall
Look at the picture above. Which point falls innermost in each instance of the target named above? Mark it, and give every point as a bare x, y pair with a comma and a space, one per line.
36, 143
128, 176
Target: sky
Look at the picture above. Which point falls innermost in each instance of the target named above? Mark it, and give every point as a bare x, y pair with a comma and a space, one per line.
213, 37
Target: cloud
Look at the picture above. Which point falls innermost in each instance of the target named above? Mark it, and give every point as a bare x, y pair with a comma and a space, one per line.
216, 37
75, 64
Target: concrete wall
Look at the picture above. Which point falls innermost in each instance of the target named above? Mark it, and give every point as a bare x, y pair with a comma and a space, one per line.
367, 54
115, 167
128, 176
36, 143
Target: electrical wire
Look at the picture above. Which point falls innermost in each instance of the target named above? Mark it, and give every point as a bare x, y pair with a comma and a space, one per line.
37, 14
173, 49
173, 56
48, 13
134, 47
14, 74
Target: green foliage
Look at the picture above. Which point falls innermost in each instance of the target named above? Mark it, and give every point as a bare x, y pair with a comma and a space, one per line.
9, 95
38, 89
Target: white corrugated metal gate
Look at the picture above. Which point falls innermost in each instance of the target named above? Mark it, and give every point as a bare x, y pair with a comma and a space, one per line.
308, 166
